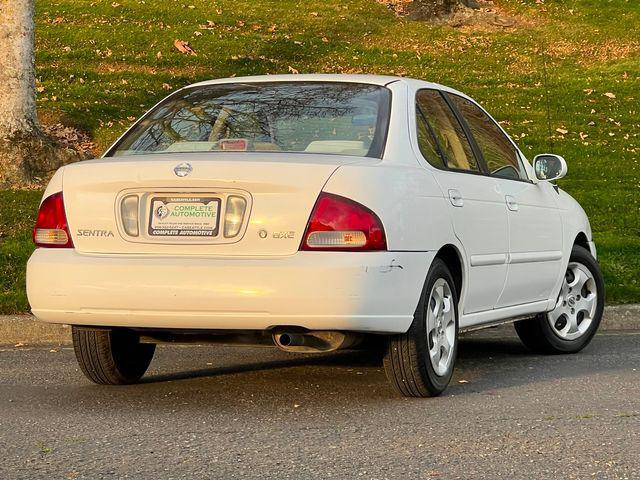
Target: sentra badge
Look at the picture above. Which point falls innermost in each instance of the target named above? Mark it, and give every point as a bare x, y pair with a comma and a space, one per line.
86, 232
183, 169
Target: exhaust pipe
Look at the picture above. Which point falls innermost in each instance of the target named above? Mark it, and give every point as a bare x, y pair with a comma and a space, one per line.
315, 341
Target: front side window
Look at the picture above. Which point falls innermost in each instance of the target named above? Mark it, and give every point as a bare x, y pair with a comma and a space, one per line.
500, 156
307, 117
450, 136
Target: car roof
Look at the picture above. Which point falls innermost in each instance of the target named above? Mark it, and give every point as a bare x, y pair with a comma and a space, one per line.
382, 80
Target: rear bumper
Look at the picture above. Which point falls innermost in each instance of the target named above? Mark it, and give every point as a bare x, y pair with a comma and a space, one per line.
368, 292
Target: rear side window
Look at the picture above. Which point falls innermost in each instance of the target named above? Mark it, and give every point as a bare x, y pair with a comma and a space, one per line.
450, 136
499, 153
427, 142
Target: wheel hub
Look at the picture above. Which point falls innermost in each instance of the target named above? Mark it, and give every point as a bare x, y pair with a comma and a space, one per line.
576, 305
440, 319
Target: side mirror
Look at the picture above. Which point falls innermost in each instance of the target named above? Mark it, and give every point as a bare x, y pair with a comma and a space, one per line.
549, 167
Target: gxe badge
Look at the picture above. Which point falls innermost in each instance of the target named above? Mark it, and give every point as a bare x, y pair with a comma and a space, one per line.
183, 169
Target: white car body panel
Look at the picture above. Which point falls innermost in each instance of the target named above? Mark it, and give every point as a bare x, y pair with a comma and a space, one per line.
512, 261
536, 242
482, 210
371, 292
272, 186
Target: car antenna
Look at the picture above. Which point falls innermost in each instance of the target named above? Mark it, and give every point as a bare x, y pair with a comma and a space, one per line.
545, 73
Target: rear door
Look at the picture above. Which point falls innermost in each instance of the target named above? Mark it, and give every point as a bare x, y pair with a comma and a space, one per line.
476, 206
535, 228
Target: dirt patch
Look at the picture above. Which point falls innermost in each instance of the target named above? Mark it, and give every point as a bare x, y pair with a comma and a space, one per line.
588, 53
488, 16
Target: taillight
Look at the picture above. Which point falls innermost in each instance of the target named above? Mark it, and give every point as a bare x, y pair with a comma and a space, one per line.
338, 223
51, 228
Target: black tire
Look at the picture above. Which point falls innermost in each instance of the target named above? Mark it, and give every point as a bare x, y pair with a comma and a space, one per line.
537, 333
406, 362
111, 356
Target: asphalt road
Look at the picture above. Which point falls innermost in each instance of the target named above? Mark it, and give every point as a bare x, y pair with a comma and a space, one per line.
232, 412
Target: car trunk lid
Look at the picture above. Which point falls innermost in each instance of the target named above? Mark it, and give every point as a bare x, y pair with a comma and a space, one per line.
180, 202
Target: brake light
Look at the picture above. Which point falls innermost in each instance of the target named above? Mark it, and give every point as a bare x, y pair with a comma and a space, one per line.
340, 224
51, 228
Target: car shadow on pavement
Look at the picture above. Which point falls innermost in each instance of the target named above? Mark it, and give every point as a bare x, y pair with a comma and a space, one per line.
485, 362
353, 358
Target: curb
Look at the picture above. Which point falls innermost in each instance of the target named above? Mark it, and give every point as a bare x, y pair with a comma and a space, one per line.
23, 330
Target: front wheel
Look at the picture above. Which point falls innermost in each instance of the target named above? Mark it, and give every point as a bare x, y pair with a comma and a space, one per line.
111, 356
571, 325
420, 362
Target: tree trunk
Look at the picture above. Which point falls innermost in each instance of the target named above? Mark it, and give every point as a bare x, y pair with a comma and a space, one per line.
25, 152
430, 9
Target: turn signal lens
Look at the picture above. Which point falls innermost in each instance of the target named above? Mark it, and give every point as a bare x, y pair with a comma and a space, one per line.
233, 215
338, 223
51, 228
129, 207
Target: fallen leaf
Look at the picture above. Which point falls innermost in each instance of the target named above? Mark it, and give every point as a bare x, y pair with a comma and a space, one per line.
610, 95
184, 47
19, 344
293, 70
562, 131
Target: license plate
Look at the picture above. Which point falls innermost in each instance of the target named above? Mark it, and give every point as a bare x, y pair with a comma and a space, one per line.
184, 216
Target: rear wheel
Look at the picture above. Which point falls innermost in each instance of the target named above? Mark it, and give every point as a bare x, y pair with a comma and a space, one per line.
571, 325
111, 356
420, 362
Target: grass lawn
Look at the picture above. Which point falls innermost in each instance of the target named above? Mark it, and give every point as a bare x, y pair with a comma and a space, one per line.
102, 63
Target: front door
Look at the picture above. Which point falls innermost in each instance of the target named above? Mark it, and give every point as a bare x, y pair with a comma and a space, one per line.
535, 237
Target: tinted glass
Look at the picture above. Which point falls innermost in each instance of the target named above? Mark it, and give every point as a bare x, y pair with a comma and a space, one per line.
499, 153
449, 133
323, 117
427, 142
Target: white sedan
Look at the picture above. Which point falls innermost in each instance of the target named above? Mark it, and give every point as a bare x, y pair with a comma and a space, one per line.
313, 212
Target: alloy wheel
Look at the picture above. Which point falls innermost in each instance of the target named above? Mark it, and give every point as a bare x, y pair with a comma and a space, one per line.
441, 326
576, 305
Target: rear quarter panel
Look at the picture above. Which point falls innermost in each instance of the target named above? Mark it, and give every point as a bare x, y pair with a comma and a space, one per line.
407, 199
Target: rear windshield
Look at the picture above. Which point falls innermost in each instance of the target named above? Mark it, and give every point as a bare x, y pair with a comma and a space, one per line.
318, 117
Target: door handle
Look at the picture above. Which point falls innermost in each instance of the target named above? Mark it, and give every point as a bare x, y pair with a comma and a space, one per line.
511, 203
455, 197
